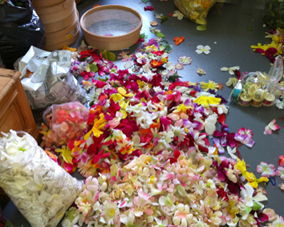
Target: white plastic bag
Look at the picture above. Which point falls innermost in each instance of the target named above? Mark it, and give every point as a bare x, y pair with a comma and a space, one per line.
50, 81
40, 189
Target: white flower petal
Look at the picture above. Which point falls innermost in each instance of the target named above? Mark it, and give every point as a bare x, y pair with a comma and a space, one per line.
199, 47
199, 51
224, 69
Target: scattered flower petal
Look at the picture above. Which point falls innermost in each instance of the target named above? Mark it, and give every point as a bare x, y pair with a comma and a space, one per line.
272, 126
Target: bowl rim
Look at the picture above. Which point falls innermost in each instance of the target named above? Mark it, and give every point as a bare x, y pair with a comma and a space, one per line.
98, 8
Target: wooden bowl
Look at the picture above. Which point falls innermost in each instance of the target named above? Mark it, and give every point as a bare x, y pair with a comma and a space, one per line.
123, 24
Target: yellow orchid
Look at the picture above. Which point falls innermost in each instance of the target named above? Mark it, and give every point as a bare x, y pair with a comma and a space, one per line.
116, 97
122, 91
210, 85
264, 47
207, 100
250, 177
123, 105
182, 108
151, 48
98, 125
66, 153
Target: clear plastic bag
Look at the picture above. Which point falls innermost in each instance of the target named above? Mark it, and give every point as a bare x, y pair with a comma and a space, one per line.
195, 10
65, 121
259, 88
40, 189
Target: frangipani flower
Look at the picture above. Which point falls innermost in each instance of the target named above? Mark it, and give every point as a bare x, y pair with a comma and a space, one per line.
200, 71
279, 222
231, 70
182, 216
185, 60
266, 170
272, 126
203, 49
179, 66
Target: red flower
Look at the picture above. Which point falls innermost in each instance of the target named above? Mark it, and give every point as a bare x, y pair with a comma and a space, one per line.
150, 8
176, 155
281, 160
155, 64
269, 53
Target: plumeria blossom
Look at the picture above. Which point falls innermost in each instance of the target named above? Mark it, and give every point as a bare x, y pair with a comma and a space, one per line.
200, 71
203, 49
231, 70
272, 126
185, 60
179, 66
265, 169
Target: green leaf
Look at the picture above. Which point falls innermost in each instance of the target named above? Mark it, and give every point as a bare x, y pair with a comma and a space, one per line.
173, 77
144, 1
103, 79
256, 206
159, 34
168, 49
93, 67
201, 27
249, 28
163, 19
108, 55
143, 36
247, 209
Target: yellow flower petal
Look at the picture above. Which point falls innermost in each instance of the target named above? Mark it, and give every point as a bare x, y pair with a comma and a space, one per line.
116, 97
122, 91
207, 100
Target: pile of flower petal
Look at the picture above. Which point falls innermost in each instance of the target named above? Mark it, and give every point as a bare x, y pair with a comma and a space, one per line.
148, 140
152, 191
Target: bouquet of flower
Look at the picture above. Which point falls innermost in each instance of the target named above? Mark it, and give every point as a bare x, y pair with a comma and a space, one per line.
41, 190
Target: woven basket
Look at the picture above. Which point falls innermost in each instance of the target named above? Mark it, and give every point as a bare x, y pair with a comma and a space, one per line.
123, 23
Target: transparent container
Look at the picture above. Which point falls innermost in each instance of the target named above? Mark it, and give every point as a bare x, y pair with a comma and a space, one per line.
273, 14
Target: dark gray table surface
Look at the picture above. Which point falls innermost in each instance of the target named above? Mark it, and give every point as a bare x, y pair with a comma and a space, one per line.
230, 43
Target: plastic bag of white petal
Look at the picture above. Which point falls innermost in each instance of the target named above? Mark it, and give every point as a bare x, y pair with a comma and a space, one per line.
40, 189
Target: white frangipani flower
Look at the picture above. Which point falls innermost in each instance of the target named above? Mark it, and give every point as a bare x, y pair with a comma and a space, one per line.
203, 49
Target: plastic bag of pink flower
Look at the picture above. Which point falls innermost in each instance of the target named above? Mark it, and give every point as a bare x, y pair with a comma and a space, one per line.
64, 122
